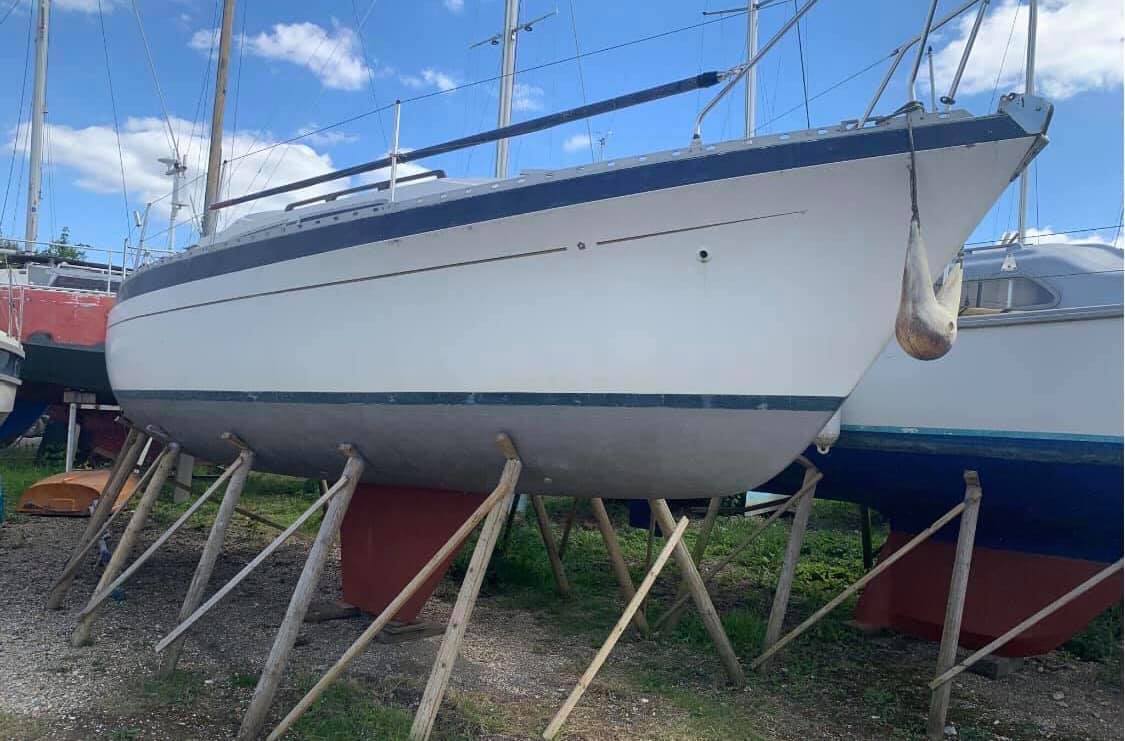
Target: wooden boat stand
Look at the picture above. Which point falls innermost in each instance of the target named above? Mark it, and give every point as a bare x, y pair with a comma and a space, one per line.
494, 507
631, 610
967, 510
122, 468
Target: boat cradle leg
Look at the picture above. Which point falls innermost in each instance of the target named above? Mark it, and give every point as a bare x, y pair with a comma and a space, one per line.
789, 563
504, 489
631, 609
697, 555
302, 595
119, 474
617, 561
81, 635
699, 593
557, 569
455, 632
955, 605
211, 550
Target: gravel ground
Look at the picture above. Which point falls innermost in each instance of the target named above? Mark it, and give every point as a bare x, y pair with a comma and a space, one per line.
521, 665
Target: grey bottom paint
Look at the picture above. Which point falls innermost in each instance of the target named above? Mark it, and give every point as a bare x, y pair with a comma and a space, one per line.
611, 452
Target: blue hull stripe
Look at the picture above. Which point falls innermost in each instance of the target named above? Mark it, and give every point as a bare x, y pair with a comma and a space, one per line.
569, 191
427, 398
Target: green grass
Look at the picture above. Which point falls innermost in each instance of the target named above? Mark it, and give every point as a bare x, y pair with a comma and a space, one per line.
180, 688
347, 710
19, 470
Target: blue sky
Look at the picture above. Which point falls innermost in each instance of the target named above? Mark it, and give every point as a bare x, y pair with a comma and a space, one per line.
302, 65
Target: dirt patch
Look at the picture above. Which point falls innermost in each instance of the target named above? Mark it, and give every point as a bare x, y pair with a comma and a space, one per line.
516, 667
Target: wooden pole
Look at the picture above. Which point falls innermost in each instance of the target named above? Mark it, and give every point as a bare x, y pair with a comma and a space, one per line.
122, 468
103, 594
789, 563
286, 637
508, 524
567, 708
564, 540
210, 555
699, 593
865, 537
561, 583
860, 583
673, 618
651, 538
252, 515
81, 635
713, 571
955, 605
1039, 616
76, 560
507, 485
458, 621
184, 472
276, 543
617, 561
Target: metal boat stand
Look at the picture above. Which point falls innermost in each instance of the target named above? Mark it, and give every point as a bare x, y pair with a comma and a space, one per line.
162, 467
122, 468
630, 613
805, 493
967, 510
494, 507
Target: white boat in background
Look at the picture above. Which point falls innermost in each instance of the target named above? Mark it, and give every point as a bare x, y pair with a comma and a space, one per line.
11, 358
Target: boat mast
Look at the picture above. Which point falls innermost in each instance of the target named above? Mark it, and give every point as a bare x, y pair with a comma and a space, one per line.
214, 156
752, 75
1028, 89
38, 119
507, 81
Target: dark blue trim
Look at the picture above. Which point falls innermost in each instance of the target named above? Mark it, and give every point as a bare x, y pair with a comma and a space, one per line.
488, 398
1043, 448
568, 191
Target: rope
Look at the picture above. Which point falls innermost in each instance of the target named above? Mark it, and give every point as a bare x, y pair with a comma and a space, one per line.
804, 76
581, 80
15, 139
152, 70
116, 128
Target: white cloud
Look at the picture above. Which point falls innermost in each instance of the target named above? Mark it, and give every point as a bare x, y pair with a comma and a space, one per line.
89, 155
1078, 49
84, 6
427, 78
527, 97
454, 6
328, 138
1047, 235
332, 55
576, 143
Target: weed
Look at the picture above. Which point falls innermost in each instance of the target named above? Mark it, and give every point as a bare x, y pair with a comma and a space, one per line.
180, 688
244, 680
347, 710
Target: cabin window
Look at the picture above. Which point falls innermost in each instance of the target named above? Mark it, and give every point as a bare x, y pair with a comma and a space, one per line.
10, 364
1003, 294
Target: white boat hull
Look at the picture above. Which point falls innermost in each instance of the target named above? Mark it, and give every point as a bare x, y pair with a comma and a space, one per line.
679, 342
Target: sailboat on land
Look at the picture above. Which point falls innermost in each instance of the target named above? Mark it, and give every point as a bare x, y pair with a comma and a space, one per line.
674, 324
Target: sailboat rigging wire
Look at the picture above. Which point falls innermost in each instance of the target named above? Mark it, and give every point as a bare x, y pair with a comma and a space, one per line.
155, 79
486, 80
116, 127
581, 79
367, 62
829, 89
996, 242
804, 75
1004, 57
9, 11
19, 125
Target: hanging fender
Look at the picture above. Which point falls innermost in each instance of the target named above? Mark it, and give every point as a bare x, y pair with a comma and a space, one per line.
926, 325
